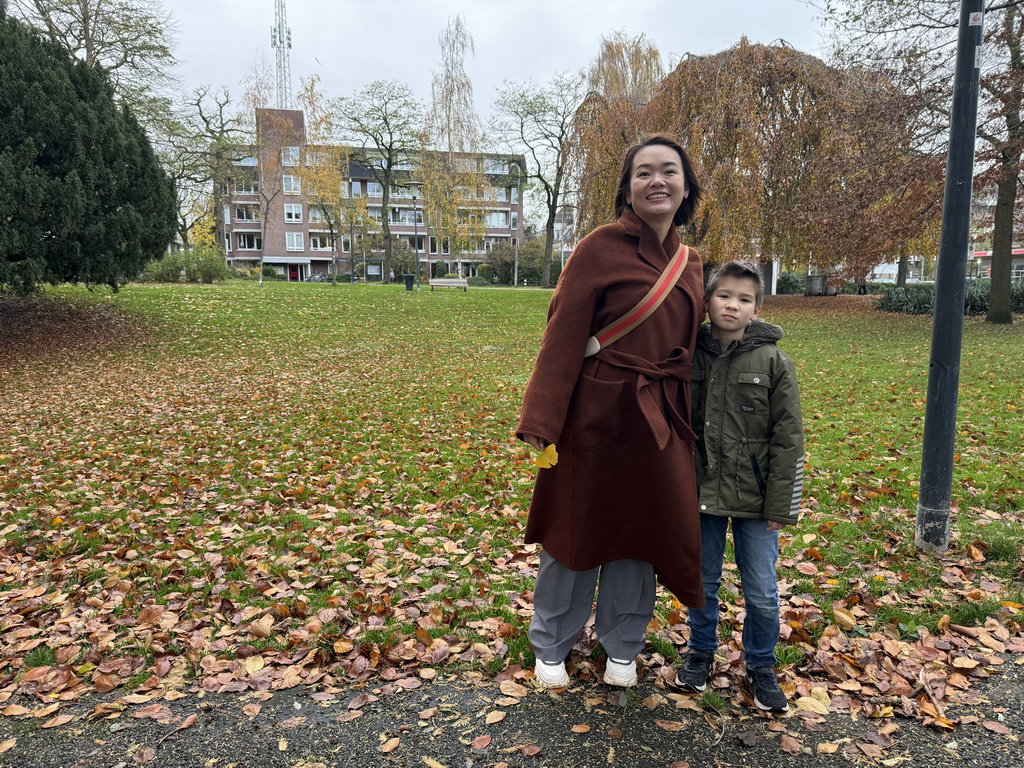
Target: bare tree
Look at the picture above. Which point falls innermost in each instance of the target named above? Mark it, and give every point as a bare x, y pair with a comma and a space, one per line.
383, 123
132, 40
538, 122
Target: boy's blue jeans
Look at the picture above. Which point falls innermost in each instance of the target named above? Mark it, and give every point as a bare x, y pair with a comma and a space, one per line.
757, 550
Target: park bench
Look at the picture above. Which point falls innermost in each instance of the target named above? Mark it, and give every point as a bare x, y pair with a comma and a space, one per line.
448, 282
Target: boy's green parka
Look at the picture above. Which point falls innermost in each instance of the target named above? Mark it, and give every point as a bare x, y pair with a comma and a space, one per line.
750, 437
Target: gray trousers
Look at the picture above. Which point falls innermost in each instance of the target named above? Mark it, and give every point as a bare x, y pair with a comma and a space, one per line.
563, 600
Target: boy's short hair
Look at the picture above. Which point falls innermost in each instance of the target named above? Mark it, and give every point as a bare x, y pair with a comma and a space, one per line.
741, 269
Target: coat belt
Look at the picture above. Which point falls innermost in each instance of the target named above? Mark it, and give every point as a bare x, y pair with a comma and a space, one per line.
656, 390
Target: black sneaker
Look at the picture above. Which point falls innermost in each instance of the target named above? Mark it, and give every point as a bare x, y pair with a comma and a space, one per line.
767, 694
696, 670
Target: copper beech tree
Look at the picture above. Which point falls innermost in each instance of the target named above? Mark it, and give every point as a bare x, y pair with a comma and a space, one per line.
805, 163
915, 40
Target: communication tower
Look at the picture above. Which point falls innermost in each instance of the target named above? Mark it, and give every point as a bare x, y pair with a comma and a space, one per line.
281, 39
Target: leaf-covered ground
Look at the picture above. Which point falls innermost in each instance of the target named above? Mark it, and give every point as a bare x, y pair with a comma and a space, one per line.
224, 488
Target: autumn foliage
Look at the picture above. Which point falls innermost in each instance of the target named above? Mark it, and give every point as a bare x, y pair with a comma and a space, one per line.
803, 162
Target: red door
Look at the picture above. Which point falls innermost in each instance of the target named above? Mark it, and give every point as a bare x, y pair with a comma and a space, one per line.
293, 272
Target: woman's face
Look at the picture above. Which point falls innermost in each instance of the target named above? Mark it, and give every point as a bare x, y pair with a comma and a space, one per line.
657, 184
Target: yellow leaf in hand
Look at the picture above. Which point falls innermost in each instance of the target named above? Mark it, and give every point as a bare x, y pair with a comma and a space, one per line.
547, 458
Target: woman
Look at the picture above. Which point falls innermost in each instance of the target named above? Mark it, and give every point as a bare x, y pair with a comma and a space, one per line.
621, 502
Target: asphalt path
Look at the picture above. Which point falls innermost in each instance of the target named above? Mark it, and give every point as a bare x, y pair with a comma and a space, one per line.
456, 722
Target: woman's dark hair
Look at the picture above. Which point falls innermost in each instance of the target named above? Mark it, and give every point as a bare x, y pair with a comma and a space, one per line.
688, 210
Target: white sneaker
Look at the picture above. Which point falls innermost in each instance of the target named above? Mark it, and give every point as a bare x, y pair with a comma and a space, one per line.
550, 674
620, 673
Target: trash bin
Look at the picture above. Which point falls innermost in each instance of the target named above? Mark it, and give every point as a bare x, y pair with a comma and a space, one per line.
409, 281
815, 285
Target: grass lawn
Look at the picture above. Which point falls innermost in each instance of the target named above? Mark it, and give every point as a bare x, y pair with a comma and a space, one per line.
246, 488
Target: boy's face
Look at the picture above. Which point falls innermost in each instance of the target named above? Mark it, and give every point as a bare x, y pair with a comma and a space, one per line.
733, 304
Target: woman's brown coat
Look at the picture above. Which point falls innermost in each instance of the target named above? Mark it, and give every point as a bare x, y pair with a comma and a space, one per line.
624, 486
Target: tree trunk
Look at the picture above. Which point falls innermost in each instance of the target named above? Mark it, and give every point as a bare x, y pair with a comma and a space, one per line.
1002, 250
901, 271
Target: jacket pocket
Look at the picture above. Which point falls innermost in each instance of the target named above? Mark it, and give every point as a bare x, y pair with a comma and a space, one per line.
598, 414
751, 471
752, 391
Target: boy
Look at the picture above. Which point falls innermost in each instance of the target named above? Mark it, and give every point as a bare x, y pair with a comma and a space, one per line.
750, 466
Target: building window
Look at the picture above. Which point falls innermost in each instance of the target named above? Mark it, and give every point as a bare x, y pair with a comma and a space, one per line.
291, 185
496, 165
249, 241
246, 187
320, 241
293, 213
515, 194
357, 189
293, 241
316, 216
500, 194
289, 155
227, 242
247, 213
373, 189
375, 213
346, 244
248, 161
497, 219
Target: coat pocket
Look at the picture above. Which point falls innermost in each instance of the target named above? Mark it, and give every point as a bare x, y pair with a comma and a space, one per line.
598, 414
752, 392
751, 473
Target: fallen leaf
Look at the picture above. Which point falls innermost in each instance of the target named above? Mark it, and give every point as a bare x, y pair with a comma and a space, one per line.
580, 728
262, 627
790, 745
57, 721
530, 750
495, 717
144, 755
480, 742
811, 704
7, 744
292, 722
672, 726
995, 727
827, 748
390, 745
844, 618
251, 710
512, 688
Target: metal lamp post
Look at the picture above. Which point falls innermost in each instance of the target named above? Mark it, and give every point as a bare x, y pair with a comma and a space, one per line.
515, 263
414, 186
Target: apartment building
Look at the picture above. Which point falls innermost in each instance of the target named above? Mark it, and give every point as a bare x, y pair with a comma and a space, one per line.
265, 212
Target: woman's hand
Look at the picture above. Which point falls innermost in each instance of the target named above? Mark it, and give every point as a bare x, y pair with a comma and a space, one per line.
774, 525
535, 442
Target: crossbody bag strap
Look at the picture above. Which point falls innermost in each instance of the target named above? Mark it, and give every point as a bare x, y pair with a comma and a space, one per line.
645, 308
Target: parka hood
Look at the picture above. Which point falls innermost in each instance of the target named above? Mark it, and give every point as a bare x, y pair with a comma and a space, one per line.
758, 332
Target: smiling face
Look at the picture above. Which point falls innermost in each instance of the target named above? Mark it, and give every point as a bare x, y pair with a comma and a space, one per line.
731, 305
657, 186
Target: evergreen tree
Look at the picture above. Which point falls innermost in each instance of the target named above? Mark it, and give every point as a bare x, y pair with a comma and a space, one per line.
82, 196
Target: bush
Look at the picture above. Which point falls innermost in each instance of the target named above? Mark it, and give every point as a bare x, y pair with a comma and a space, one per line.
790, 282
486, 272
478, 281
919, 299
203, 264
269, 271
167, 269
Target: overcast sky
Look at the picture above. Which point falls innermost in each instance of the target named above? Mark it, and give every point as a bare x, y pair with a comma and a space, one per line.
350, 43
